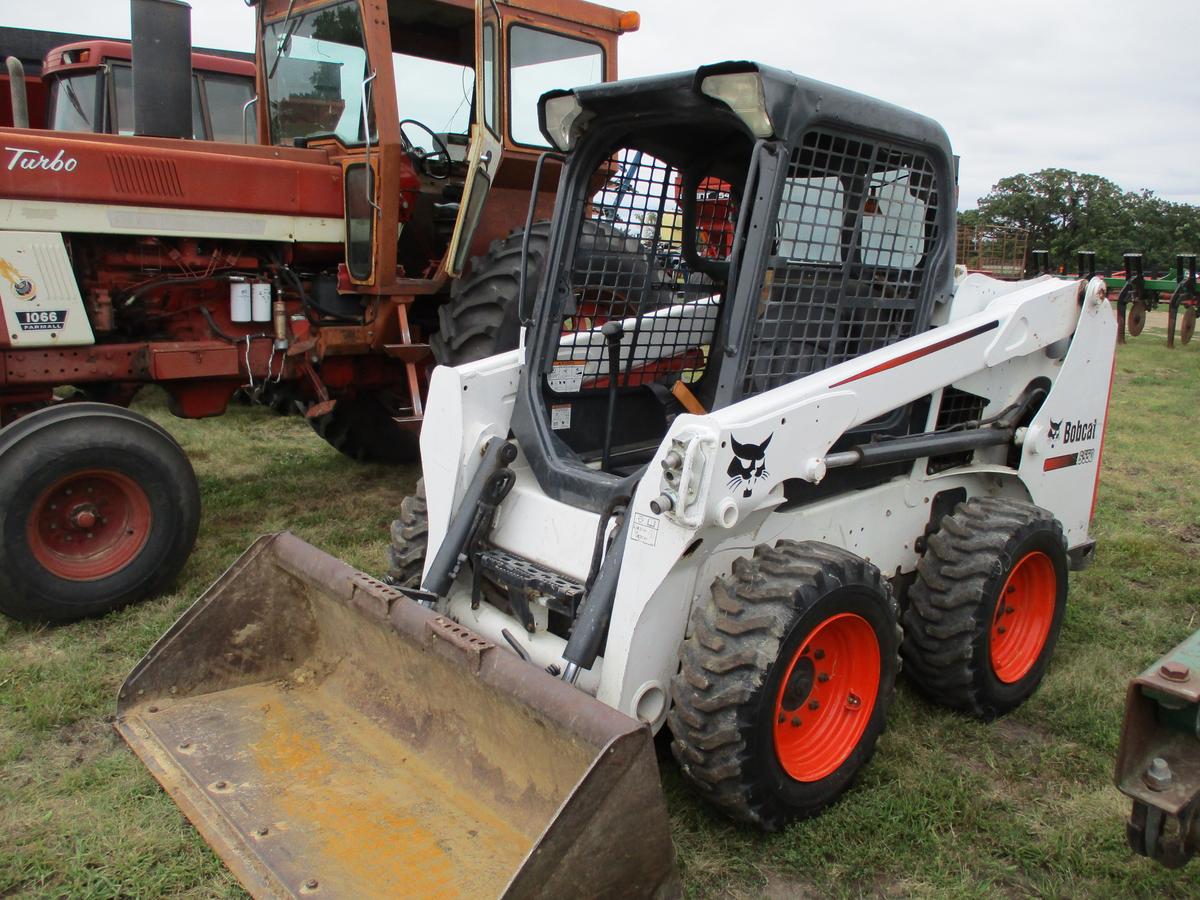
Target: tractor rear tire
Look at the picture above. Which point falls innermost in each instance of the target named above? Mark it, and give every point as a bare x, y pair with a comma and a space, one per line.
985, 610
786, 678
410, 539
99, 508
364, 428
482, 317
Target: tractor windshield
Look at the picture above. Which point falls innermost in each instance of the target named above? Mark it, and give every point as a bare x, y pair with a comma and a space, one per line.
652, 250
316, 66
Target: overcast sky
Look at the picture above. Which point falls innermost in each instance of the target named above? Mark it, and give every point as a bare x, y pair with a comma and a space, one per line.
1102, 86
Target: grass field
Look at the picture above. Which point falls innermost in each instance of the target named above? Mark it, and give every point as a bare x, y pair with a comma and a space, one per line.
949, 807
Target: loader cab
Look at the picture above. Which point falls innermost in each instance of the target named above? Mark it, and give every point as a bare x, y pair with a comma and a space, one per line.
430, 107
752, 228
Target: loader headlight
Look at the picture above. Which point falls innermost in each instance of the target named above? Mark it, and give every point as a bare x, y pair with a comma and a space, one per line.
562, 119
743, 93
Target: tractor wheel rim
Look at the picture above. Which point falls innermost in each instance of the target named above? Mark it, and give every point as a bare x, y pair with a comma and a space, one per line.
1023, 615
826, 697
89, 525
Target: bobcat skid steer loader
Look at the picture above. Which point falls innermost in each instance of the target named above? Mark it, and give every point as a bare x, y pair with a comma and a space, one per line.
755, 405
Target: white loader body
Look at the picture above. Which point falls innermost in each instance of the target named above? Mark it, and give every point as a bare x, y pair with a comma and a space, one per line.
991, 339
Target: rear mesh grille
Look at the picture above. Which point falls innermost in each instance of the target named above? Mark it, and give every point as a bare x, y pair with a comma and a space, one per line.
856, 221
957, 409
144, 175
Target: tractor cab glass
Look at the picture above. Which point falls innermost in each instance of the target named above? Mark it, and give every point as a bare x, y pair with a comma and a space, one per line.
217, 103
540, 61
75, 102
316, 66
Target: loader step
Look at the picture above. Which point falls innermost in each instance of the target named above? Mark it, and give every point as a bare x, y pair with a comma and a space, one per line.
563, 594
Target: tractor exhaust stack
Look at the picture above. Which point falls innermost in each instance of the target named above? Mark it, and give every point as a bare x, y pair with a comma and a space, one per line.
162, 67
326, 734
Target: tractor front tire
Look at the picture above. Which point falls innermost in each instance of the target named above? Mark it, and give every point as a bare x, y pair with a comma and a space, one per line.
786, 678
99, 508
985, 610
364, 427
410, 539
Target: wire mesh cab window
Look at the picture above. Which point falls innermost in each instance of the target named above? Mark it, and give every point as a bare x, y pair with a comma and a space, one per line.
856, 223
630, 266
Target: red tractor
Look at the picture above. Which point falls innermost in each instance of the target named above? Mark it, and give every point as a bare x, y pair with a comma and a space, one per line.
87, 85
367, 235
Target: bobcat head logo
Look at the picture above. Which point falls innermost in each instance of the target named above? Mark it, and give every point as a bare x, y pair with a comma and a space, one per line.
749, 463
1052, 434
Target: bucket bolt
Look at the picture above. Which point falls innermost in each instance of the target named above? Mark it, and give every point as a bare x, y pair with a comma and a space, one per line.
1174, 671
1158, 774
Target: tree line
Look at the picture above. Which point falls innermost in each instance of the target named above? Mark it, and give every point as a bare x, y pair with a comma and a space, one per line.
1065, 212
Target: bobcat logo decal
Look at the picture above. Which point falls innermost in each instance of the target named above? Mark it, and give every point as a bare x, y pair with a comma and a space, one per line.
1052, 434
749, 463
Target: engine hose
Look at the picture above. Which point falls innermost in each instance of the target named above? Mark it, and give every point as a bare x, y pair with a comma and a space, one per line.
174, 280
226, 336
312, 304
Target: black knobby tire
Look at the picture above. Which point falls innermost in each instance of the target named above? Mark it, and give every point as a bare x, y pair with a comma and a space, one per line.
747, 637
951, 620
131, 480
482, 317
410, 538
279, 397
364, 427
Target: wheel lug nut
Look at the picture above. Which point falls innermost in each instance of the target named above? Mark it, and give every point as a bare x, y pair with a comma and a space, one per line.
823, 677
814, 704
1001, 630
818, 654
853, 702
795, 721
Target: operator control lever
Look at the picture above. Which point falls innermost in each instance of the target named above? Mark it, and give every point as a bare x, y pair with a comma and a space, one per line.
613, 332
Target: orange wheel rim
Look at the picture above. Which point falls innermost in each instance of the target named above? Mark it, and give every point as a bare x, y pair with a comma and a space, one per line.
1023, 616
826, 697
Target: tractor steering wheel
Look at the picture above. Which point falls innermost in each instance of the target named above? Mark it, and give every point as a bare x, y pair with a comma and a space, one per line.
440, 150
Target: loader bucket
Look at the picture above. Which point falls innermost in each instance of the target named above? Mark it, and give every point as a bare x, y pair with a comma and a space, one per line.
328, 736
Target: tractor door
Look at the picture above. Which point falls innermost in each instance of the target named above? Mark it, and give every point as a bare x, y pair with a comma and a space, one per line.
484, 153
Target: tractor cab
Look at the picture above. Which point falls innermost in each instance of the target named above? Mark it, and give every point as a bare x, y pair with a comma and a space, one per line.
431, 108
90, 89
